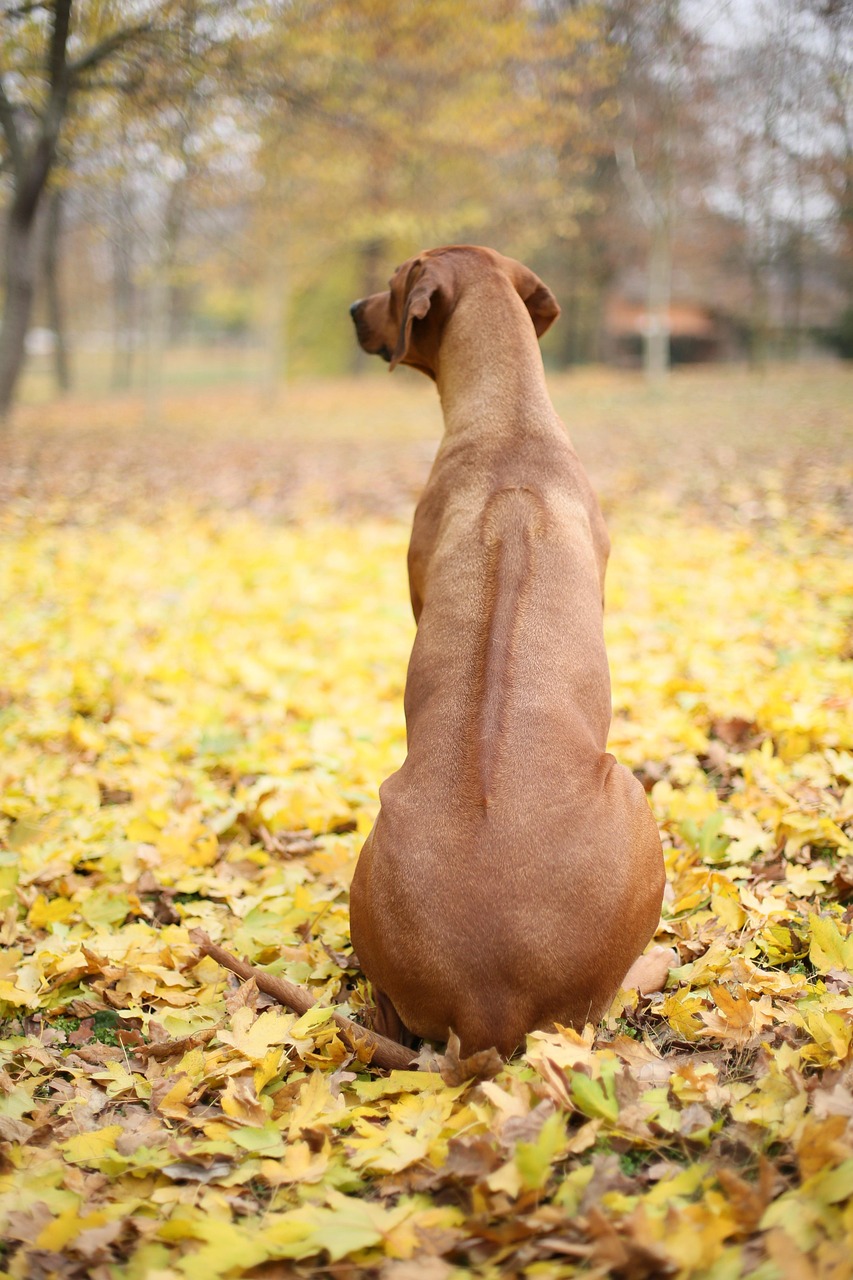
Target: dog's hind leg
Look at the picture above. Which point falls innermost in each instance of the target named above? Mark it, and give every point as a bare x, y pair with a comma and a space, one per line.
387, 1022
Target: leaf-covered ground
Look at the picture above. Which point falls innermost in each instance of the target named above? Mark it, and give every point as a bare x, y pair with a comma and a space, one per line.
201, 674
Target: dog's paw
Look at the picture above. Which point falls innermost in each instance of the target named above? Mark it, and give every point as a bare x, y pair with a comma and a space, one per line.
649, 973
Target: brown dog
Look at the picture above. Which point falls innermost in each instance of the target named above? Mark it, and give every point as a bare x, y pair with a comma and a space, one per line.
514, 871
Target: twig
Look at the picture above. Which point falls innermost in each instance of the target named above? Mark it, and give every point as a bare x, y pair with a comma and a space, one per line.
379, 1050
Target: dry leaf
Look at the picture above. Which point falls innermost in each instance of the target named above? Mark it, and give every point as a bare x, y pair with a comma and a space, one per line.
484, 1065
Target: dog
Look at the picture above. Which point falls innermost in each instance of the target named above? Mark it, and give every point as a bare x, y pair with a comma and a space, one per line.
514, 871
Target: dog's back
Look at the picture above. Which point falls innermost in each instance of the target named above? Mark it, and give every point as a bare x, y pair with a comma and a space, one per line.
514, 871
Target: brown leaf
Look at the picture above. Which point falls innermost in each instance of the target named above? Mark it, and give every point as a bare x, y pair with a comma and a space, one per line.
472, 1159
735, 731
623, 1256
277, 1271
139, 1129
793, 1264
27, 1225
837, 1101
607, 1176
843, 882
191, 1171
93, 1243
694, 1119
113, 795
484, 1065
12, 1130
348, 963
83, 1033
748, 1200
245, 996
526, 1128
172, 1048
821, 1144
96, 1054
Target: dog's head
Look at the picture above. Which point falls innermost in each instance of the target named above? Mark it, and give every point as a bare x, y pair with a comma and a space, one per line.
404, 324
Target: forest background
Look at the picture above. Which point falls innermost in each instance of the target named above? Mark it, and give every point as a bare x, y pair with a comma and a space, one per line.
185, 177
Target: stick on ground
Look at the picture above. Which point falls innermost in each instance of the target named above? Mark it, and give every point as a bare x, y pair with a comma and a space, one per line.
379, 1050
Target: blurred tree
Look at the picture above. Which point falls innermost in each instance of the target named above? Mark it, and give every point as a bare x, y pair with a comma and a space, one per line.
191, 124
283, 154
659, 137
46, 59
784, 150
394, 126
563, 192
830, 137
53, 292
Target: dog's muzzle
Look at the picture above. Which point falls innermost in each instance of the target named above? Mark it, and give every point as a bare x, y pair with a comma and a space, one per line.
362, 334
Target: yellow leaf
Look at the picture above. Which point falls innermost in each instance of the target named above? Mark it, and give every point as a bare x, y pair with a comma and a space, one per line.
11, 993
253, 1036
829, 949
680, 1009
89, 1148
831, 1034
67, 1227
240, 1102
316, 1106
316, 1017
299, 1164
142, 829
267, 1070
43, 913
173, 1101
726, 905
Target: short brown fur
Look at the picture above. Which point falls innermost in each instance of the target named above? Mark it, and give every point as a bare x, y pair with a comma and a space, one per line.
514, 871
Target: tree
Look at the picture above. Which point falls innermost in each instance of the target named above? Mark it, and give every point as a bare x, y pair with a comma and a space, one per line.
395, 126
41, 72
831, 62
783, 131
659, 138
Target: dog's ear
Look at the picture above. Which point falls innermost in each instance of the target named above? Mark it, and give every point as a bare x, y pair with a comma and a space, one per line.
538, 299
422, 284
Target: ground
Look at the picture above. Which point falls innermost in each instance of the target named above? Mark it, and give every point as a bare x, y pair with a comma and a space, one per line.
203, 642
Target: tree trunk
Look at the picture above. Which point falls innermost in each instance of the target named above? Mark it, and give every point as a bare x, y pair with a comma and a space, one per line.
124, 298
20, 288
656, 341
759, 318
55, 310
277, 290
156, 326
124, 325
159, 297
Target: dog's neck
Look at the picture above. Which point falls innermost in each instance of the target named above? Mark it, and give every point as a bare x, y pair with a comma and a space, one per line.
490, 375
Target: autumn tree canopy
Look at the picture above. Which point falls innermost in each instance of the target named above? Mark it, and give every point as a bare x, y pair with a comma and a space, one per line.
223, 170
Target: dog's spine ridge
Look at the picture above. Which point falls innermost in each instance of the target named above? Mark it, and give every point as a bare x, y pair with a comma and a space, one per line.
513, 518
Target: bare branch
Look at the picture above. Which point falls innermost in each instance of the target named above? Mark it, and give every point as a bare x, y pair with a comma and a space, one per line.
23, 10
56, 59
105, 48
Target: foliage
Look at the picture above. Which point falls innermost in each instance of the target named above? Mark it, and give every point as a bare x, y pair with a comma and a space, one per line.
198, 703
